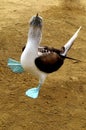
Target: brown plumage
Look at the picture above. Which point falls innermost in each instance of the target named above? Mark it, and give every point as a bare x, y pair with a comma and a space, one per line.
49, 59
49, 63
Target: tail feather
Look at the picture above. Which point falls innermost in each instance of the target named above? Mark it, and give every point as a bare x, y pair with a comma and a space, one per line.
68, 45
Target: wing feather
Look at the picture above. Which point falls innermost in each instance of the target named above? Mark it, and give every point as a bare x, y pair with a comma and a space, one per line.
49, 63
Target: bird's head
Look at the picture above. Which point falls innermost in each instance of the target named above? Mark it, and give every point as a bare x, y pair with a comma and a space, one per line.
35, 31
36, 21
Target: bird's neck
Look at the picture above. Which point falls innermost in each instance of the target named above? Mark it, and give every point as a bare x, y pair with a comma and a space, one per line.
34, 37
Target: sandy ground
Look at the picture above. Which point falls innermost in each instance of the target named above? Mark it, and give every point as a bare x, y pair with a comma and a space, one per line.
62, 101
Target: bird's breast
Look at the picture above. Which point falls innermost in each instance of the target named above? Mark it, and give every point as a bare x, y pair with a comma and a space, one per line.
28, 62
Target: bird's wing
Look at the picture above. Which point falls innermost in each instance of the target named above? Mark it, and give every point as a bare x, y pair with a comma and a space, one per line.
49, 62
42, 50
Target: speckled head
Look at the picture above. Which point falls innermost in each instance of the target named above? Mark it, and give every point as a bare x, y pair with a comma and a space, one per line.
36, 21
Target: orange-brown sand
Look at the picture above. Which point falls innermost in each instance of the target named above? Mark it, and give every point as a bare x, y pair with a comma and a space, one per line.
61, 104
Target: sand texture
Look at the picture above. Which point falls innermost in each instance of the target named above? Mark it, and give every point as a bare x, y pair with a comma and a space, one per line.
61, 104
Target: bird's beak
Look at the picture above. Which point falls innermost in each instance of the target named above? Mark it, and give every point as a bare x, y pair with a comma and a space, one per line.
37, 15
37, 20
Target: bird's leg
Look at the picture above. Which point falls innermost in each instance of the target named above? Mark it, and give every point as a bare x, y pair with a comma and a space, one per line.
34, 92
15, 66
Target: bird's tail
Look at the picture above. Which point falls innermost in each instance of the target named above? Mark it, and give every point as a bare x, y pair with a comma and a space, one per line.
68, 45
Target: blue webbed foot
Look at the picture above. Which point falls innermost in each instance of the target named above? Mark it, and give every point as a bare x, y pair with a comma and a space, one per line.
33, 92
15, 66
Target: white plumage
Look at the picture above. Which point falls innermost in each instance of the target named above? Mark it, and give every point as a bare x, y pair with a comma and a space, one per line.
40, 61
32, 52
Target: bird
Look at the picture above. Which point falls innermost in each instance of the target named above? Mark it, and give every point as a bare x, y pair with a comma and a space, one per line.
38, 60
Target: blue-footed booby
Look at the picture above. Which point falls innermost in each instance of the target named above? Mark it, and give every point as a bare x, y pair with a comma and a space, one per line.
40, 61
